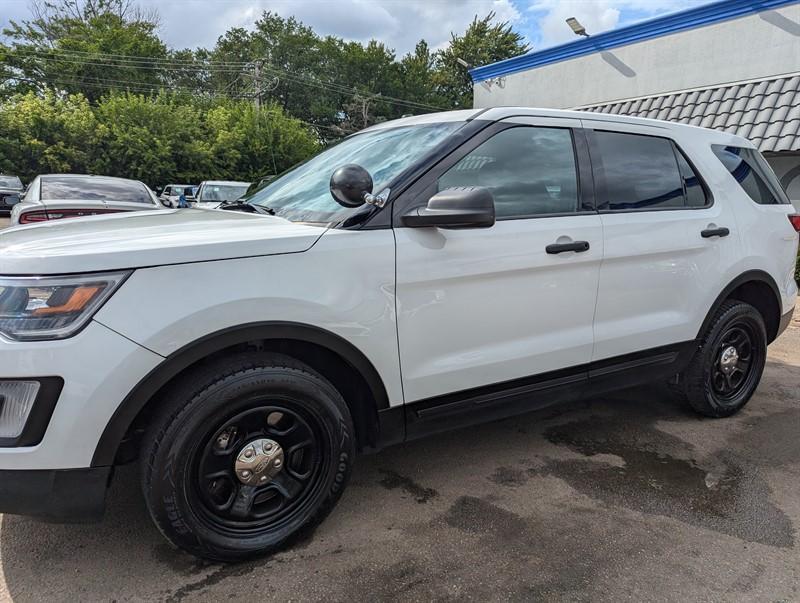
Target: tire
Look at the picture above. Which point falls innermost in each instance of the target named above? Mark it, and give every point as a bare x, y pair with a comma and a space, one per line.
192, 450
715, 388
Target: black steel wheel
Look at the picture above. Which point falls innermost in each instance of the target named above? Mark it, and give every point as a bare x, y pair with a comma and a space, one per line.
727, 367
232, 504
246, 453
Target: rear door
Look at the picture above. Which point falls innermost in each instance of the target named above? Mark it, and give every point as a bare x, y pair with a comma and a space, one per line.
481, 311
666, 242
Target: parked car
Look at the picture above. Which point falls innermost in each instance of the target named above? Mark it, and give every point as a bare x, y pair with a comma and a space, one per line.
11, 190
504, 259
172, 192
57, 196
213, 193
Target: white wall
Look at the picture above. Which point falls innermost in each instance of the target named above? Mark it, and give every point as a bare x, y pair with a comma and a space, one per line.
751, 47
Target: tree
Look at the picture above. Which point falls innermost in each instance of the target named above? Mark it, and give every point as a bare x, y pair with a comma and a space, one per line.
84, 46
417, 74
47, 133
152, 138
484, 42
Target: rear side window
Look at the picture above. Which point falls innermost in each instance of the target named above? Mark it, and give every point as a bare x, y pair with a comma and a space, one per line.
753, 174
646, 172
692, 187
93, 189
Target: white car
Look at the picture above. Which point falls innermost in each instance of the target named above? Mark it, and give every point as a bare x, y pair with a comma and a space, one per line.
57, 196
213, 193
171, 194
422, 275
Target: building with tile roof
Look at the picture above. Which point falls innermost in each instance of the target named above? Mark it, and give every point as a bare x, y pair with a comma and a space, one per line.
731, 65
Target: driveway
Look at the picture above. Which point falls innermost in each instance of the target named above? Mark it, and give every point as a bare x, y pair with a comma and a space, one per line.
623, 498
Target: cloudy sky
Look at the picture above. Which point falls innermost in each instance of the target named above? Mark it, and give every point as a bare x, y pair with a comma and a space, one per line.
398, 23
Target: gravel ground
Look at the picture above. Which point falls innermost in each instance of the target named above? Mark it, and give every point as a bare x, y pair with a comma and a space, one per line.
624, 498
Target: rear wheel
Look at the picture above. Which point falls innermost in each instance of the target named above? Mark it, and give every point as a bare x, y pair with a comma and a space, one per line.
727, 368
246, 454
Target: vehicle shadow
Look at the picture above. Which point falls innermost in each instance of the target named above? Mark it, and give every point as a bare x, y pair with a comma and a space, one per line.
124, 556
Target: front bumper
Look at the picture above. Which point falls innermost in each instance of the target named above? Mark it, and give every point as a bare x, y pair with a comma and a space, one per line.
98, 367
58, 495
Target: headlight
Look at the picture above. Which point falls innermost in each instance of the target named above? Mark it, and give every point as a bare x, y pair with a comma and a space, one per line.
45, 307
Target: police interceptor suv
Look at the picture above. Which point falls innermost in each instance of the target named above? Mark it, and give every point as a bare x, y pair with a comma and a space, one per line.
423, 274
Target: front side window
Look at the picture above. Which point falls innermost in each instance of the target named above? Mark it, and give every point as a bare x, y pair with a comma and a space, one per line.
753, 174
93, 188
530, 171
641, 172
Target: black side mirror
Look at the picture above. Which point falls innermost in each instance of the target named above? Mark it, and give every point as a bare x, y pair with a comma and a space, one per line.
463, 207
159, 190
9, 200
350, 185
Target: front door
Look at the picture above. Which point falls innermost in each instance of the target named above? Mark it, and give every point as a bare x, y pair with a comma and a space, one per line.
480, 309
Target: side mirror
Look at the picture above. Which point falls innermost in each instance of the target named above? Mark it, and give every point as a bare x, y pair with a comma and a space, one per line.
159, 190
10, 200
350, 185
463, 207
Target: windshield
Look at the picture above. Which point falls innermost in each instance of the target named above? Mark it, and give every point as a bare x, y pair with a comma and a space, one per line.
10, 182
303, 194
223, 192
94, 188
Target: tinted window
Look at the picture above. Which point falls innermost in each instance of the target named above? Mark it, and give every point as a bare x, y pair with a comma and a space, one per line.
94, 189
752, 173
695, 194
641, 172
529, 171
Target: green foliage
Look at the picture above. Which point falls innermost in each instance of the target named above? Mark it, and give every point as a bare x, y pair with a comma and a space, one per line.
49, 133
90, 87
150, 138
73, 46
484, 42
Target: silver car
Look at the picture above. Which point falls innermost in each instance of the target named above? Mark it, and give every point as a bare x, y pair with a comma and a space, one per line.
57, 196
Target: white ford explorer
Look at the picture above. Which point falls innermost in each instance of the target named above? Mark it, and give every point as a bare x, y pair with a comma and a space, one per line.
421, 275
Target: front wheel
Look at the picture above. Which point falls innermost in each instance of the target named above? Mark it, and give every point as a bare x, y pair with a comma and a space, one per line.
246, 453
726, 369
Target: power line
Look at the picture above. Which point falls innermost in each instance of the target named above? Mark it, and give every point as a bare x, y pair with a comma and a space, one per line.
100, 85
165, 64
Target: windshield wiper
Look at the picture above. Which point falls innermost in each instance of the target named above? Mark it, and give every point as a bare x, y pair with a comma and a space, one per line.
248, 207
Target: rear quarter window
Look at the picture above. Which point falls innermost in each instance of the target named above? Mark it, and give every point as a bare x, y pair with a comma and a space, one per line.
749, 168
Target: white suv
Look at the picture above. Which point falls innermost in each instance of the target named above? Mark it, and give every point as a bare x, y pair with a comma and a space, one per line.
504, 259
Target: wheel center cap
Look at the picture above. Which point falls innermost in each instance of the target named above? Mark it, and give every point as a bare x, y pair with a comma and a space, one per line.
729, 359
258, 462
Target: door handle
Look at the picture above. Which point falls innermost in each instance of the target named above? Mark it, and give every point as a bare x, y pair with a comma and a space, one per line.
714, 232
576, 246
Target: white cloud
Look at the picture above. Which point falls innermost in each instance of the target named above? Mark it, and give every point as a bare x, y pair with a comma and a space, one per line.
595, 15
399, 24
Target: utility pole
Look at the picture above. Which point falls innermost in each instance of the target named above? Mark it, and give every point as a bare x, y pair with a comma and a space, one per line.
257, 84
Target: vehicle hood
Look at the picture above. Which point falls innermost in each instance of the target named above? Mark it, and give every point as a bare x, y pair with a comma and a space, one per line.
148, 238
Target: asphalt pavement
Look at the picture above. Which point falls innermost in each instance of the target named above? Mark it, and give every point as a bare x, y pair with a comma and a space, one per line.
625, 498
